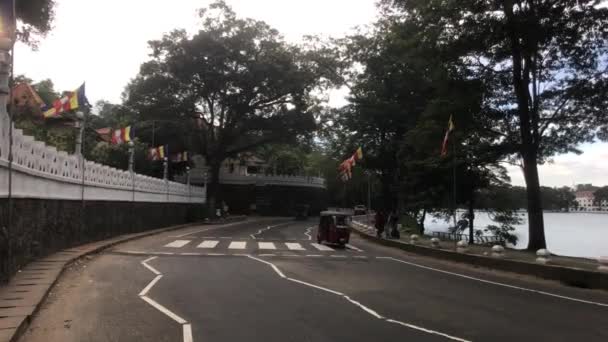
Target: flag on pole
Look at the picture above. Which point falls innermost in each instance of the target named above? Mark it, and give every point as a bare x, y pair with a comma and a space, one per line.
359, 153
72, 101
158, 153
444, 146
179, 157
121, 135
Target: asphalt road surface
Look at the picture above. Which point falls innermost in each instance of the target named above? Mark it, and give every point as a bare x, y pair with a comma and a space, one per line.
267, 280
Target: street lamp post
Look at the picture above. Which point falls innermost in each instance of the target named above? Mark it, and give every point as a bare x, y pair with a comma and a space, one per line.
166, 175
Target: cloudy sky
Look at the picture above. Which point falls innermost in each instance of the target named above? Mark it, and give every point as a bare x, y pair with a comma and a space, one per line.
104, 42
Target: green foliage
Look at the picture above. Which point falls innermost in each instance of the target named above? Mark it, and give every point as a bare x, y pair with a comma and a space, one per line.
541, 64
234, 86
600, 195
504, 229
557, 199
36, 17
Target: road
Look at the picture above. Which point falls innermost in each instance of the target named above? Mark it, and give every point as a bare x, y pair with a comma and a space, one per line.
267, 280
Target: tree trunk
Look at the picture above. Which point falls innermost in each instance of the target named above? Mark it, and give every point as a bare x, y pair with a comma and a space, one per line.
421, 223
536, 226
213, 190
471, 220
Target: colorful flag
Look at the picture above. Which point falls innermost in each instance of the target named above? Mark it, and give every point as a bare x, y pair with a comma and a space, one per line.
8, 22
24, 96
179, 157
158, 153
121, 135
359, 153
71, 101
105, 134
444, 146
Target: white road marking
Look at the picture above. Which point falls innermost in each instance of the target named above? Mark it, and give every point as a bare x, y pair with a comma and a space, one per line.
322, 248
308, 231
237, 245
152, 283
186, 327
208, 244
150, 267
135, 252
178, 243
426, 330
162, 253
164, 310
360, 257
363, 307
187, 331
314, 255
216, 254
190, 253
294, 246
266, 254
354, 248
338, 256
268, 228
276, 269
266, 245
496, 283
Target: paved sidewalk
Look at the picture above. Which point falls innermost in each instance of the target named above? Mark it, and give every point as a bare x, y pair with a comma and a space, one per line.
23, 295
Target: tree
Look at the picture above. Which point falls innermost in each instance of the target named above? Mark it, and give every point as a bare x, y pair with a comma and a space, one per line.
542, 65
600, 195
36, 18
235, 85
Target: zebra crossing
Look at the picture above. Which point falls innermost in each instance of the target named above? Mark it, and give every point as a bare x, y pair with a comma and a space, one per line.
237, 245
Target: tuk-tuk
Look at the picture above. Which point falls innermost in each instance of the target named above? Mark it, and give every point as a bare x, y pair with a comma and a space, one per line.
333, 228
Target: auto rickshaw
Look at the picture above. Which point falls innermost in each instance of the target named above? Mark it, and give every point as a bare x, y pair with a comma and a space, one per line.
333, 228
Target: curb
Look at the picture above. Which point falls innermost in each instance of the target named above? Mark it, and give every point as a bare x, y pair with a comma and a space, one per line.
568, 275
13, 334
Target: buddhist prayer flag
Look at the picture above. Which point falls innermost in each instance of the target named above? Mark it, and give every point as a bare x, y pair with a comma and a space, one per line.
158, 153
121, 135
179, 157
444, 146
346, 166
72, 101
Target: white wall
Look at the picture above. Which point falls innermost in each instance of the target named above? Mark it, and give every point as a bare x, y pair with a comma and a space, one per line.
40, 171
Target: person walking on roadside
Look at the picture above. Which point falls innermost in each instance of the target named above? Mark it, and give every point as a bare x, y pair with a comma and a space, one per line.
380, 221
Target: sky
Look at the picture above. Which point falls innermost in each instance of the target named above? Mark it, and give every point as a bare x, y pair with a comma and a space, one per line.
104, 43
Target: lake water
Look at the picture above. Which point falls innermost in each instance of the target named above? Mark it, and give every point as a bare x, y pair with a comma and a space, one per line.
570, 234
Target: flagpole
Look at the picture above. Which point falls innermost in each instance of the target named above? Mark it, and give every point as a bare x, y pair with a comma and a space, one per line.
9, 219
454, 178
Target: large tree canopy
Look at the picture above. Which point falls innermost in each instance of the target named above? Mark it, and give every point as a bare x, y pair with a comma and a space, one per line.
36, 18
236, 83
544, 69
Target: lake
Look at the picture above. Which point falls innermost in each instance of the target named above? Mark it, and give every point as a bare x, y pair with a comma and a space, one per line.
570, 234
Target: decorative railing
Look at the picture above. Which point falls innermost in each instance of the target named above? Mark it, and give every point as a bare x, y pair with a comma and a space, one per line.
40, 171
261, 180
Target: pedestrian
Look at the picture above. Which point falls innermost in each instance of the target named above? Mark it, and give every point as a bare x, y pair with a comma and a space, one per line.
380, 221
394, 225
